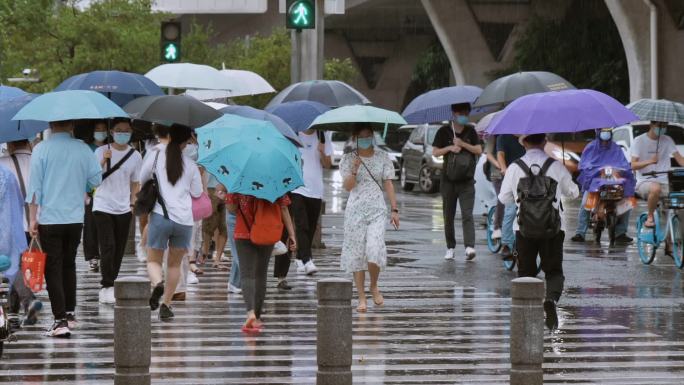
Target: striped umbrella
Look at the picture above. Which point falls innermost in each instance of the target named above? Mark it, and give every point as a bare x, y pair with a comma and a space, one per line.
659, 110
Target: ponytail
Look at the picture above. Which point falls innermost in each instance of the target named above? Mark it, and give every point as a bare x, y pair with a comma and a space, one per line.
174, 155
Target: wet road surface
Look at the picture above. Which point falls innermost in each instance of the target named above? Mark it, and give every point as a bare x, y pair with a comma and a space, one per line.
443, 322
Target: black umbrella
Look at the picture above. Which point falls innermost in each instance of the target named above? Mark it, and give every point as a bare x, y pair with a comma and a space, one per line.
508, 88
172, 109
332, 93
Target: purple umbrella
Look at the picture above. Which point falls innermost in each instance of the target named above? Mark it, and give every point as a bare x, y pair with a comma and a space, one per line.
562, 111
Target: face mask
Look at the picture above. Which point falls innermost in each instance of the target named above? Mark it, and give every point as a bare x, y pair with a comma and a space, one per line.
365, 143
190, 151
462, 120
122, 137
606, 136
661, 131
100, 136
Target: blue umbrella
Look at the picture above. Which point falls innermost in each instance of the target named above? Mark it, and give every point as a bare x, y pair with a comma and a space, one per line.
435, 105
70, 105
7, 93
11, 130
298, 114
249, 157
254, 113
120, 87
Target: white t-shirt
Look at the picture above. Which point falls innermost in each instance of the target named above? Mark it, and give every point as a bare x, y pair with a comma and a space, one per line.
644, 148
177, 198
313, 170
113, 196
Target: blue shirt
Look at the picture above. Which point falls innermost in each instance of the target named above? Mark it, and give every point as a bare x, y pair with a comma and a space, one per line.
62, 168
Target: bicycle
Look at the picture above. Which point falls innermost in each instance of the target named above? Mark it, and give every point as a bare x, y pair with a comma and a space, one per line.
494, 245
649, 238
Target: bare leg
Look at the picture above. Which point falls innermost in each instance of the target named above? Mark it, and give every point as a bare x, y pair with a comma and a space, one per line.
653, 198
359, 277
172, 272
154, 265
374, 271
220, 247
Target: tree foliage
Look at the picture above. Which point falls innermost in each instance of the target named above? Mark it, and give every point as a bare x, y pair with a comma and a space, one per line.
432, 71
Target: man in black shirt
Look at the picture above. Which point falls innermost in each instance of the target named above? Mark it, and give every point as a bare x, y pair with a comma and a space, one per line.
460, 146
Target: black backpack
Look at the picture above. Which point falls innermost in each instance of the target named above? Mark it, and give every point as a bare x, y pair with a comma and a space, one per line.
537, 217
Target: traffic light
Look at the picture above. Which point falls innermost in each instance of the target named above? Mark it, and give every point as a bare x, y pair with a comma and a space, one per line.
300, 14
171, 41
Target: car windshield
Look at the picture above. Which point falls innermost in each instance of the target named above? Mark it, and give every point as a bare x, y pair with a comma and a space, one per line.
674, 132
397, 138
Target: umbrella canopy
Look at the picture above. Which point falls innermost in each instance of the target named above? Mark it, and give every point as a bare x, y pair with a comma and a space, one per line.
245, 83
508, 88
11, 130
658, 110
7, 92
332, 93
120, 87
172, 109
70, 105
344, 118
216, 106
563, 111
435, 105
250, 157
486, 120
189, 76
299, 114
254, 113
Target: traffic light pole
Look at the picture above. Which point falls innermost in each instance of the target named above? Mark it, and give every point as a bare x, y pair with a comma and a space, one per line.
307, 49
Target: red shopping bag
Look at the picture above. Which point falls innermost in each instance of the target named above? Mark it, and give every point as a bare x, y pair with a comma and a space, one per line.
33, 266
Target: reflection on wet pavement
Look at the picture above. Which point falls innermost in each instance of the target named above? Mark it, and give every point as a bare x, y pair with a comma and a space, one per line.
442, 322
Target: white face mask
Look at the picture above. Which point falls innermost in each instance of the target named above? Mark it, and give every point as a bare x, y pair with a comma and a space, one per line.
190, 151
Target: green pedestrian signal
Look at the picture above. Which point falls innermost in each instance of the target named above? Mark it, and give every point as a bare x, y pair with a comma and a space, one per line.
170, 41
301, 14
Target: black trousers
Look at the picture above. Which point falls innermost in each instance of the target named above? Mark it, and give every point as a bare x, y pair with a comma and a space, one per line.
20, 296
253, 273
112, 235
60, 242
453, 194
551, 253
305, 212
90, 248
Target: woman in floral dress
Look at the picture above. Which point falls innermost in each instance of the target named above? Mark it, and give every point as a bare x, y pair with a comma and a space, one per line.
367, 173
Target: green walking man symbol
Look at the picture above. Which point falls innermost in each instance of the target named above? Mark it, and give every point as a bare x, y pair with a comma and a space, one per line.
302, 12
171, 52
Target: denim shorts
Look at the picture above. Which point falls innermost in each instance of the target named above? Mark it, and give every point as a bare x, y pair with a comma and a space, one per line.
163, 233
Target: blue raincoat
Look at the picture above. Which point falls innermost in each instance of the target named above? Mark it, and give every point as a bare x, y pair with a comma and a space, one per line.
12, 237
598, 155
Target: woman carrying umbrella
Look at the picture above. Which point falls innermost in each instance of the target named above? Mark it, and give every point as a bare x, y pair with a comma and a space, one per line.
366, 171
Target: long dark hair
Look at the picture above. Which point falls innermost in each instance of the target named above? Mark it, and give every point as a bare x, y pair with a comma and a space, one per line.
174, 155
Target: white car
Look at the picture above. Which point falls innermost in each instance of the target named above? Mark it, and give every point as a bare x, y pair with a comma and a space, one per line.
624, 136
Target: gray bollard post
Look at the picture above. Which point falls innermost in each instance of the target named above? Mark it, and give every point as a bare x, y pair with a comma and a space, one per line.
132, 336
334, 332
527, 331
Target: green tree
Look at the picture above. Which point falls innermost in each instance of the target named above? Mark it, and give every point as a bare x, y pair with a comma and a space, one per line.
432, 71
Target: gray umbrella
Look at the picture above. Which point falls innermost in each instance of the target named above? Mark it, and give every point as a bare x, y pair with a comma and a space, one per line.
332, 93
170, 109
508, 88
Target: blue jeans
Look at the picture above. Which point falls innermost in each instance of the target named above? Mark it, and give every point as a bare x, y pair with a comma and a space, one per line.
235, 263
507, 234
583, 220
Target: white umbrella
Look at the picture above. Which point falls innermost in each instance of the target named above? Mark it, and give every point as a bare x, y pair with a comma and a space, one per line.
482, 125
189, 76
244, 83
216, 106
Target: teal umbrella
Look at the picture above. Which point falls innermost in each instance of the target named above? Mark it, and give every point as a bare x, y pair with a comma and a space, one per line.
250, 157
70, 105
345, 118
660, 110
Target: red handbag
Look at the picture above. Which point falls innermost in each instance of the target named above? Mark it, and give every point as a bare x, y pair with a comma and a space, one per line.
33, 266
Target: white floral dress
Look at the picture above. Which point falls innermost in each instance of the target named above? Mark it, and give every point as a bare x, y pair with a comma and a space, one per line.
366, 213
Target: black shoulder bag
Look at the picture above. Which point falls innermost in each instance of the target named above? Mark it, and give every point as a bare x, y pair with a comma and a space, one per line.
150, 194
460, 167
118, 164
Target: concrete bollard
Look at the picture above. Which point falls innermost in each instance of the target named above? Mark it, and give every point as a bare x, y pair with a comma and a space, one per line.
334, 332
317, 242
527, 331
130, 242
132, 336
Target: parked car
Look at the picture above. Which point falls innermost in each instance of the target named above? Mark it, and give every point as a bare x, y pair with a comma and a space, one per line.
418, 165
624, 136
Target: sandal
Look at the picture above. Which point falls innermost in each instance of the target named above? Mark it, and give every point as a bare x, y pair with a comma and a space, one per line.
250, 326
220, 266
194, 269
200, 258
649, 222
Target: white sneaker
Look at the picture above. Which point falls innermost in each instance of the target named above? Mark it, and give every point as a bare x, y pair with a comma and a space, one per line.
141, 253
192, 278
233, 289
310, 268
300, 266
470, 253
110, 295
106, 296
496, 234
449, 254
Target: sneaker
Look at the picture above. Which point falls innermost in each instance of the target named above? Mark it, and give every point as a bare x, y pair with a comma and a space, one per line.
449, 254
110, 295
300, 266
104, 296
141, 253
623, 238
157, 292
71, 320
283, 285
234, 289
192, 279
32, 312
577, 238
94, 265
165, 312
551, 314
13, 322
470, 253
496, 234
60, 328
310, 268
